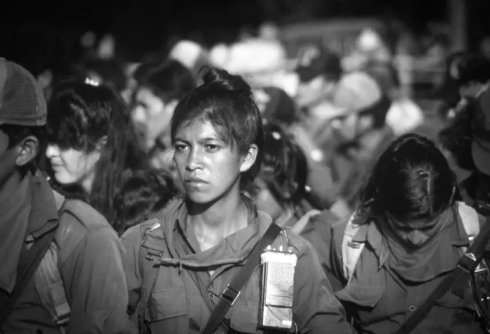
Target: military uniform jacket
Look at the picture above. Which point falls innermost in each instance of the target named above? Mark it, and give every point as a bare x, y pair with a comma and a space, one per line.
184, 293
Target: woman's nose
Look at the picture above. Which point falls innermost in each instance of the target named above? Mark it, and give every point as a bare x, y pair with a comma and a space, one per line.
52, 150
194, 159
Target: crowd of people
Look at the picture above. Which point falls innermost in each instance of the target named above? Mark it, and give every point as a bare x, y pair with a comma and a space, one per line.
196, 193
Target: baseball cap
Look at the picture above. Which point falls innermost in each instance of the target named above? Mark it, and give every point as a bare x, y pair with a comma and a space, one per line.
356, 91
21, 99
315, 60
480, 125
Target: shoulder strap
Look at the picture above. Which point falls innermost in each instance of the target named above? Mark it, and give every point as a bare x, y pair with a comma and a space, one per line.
51, 289
466, 264
27, 267
48, 281
231, 292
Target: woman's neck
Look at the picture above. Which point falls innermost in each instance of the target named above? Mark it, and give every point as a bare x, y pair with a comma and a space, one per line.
218, 221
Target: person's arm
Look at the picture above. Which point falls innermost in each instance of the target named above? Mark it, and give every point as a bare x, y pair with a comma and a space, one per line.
96, 285
316, 310
131, 241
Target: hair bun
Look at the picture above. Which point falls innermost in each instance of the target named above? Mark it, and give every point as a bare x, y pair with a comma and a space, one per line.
225, 81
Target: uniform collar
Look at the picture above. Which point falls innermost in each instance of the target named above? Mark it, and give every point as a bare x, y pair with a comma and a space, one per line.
370, 234
234, 248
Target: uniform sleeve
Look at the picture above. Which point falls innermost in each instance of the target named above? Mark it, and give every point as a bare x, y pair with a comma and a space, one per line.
96, 285
131, 241
318, 233
316, 308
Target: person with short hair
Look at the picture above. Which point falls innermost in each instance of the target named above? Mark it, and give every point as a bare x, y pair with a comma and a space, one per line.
203, 238
75, 286
154, 102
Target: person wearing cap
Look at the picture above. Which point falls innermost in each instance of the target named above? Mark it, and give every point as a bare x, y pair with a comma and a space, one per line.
76, 283
346, 113
471, 74
277, 107
318, 71
475, 189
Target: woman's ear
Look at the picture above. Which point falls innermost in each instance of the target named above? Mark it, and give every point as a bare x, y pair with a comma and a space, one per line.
249, 158
27, 150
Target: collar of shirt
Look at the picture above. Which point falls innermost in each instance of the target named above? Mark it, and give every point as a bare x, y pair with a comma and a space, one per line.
233, 249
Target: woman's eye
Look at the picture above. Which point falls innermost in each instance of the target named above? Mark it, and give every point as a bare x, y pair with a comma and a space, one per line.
180, 147
212, 148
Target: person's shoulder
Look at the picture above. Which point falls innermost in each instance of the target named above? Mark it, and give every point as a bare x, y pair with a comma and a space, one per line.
81, 224
326, 217
134, 235
76, 210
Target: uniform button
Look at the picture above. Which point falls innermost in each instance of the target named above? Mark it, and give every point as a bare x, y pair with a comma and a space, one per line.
411, 308
211, 295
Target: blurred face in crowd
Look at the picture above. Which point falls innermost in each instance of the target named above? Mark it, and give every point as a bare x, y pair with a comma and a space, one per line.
265, 201
314, 91
151, 115
208, 166
73, 166
414, 233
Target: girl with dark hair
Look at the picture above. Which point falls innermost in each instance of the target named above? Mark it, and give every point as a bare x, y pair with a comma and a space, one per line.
281, 190
92, 146
406, 236
203, 238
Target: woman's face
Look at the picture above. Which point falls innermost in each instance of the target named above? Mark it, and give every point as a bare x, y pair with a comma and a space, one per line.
265, 201
208, 167
73, 166
414, 233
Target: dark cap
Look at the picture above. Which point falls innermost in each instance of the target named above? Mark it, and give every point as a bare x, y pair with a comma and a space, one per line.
280, 107
480, 125
21, 99
314, 60
473, 68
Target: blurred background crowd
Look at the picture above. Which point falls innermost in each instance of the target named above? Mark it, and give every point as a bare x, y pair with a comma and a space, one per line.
341, 78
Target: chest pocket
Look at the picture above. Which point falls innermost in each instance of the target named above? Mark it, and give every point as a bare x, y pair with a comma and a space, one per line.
167, 304
167, 309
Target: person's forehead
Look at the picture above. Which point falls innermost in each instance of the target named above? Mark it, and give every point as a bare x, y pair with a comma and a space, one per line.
144, 92
198, 126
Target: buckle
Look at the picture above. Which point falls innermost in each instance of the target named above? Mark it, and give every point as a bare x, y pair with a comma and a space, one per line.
230, 295
468, 263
